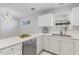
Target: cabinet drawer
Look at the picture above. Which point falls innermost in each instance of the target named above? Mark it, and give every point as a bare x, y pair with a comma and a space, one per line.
11, 49
14, 52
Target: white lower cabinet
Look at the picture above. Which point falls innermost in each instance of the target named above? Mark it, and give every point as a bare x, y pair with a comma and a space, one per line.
76, 47
12, 50
51, 44
59, 45
54, 45
66, 47
46, 42
39, 44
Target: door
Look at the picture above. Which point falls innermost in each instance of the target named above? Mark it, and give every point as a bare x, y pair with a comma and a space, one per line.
66, 47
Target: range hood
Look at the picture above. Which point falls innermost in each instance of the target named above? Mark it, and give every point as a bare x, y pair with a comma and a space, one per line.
62, 22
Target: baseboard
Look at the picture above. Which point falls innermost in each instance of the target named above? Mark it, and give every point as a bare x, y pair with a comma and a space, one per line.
47, 51
40, 52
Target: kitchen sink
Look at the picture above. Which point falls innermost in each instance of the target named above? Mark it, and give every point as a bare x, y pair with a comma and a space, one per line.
62, 35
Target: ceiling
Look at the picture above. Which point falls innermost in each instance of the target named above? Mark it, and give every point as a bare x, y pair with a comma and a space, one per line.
19, 10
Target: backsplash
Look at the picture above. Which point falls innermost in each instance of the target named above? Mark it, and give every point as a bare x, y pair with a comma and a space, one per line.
51, 30
41, 29
74, 31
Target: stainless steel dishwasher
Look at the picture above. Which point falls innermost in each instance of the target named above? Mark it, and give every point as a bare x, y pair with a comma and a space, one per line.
29, 47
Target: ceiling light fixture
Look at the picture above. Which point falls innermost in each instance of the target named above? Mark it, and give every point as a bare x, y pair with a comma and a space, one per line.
61, 4
7, 16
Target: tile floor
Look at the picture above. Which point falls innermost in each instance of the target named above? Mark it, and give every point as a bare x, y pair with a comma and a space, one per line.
45, 53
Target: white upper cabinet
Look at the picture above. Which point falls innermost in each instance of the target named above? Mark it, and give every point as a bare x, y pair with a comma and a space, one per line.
45, 20
75, 16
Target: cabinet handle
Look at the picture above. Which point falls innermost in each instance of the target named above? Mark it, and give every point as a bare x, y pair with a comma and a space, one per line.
11, 48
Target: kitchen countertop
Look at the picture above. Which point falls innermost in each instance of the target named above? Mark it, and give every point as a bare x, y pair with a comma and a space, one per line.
64, 37
15, 40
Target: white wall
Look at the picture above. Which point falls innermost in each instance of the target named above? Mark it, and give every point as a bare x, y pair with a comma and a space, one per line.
8, 28
30, 28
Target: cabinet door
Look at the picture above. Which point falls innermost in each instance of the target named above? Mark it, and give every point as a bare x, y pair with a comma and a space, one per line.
46, 42
76, 47
54, 45
66, 47
39, 44
45, 20
75, 16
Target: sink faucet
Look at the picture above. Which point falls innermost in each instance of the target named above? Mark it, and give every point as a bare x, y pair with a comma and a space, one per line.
61, 33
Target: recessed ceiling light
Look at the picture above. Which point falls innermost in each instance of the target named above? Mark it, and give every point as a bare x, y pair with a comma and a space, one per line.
32, 9
61, 4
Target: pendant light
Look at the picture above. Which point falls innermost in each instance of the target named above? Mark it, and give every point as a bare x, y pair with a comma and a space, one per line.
7, 16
